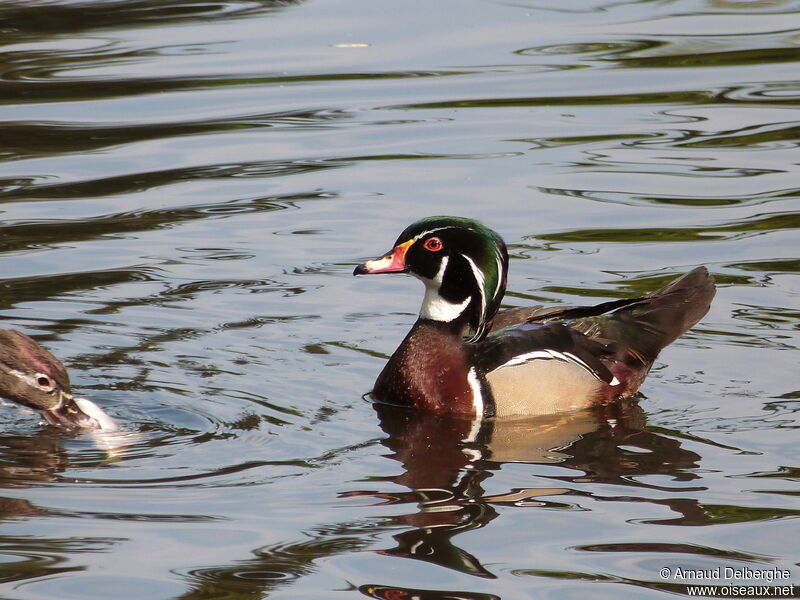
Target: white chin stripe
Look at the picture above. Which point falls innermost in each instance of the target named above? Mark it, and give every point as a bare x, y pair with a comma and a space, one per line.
436, 308
554, 355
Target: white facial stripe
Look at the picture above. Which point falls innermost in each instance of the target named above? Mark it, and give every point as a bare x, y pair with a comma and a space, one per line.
439, 277
479, 279
553, 355
499, 262
424, 233
29, 379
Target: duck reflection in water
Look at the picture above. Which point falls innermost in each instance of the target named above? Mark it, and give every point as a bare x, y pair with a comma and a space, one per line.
446, 461
445, 464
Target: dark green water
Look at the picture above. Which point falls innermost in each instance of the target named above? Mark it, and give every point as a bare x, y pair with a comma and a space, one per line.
184, 189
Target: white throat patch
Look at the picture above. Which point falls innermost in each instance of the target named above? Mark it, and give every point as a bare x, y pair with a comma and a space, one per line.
436, 308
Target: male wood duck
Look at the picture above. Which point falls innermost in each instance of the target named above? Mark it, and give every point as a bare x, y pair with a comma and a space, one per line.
465, 357
31, 376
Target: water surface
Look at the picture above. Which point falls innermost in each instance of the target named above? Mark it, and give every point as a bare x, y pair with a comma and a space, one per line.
184, 190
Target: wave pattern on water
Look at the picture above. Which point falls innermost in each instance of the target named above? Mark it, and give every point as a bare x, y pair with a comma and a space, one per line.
184, 190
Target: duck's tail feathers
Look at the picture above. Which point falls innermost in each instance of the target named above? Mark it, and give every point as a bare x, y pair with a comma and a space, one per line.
661, 317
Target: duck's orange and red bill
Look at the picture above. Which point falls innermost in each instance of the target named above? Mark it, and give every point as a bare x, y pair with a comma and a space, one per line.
393, 262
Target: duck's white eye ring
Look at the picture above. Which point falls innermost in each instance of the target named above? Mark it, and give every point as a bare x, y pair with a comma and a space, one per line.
44, 382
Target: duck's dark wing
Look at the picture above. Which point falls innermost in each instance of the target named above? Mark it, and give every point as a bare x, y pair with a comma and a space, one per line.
527, 342
537, 368
652, 322
644, 325
546, 314
615, 342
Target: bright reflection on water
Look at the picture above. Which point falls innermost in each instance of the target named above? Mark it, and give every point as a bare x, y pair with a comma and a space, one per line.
185, 189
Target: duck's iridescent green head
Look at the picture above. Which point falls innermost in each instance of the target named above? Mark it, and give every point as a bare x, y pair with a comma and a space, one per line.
462, 263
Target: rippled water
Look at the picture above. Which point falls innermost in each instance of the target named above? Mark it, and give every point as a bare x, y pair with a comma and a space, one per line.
185, 189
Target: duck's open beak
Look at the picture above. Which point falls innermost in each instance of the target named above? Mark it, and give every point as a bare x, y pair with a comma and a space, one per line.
79, 413
392, 262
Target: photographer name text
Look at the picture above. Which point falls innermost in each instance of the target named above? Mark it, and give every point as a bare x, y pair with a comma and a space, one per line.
726, 573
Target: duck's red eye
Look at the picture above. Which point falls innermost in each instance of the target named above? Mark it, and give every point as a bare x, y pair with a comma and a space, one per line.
433, 244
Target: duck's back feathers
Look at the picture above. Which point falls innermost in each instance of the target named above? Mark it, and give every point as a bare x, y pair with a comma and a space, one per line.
598, 352
652, 322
